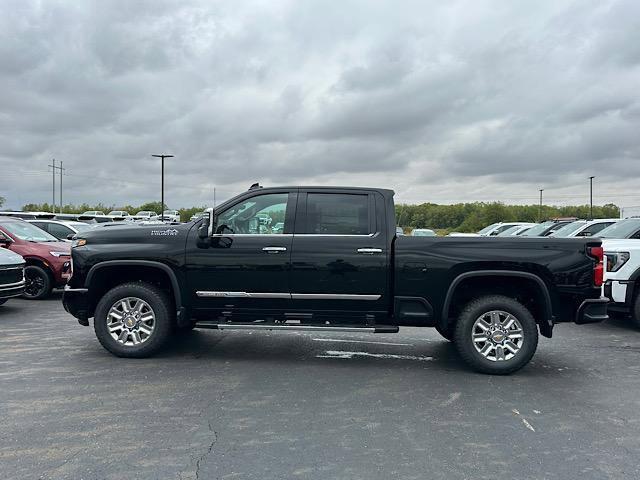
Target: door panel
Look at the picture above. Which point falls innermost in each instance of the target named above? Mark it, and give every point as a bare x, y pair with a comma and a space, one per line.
245, 266
339, 260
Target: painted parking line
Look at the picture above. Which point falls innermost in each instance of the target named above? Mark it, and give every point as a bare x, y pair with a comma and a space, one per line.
349, 355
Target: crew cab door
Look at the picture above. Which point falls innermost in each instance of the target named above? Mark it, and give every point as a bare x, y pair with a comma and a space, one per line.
340, 259
244, 267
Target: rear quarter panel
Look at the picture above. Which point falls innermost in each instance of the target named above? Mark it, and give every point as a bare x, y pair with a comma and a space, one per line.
427, 266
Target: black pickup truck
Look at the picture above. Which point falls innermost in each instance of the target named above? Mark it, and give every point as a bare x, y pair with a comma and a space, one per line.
328, 258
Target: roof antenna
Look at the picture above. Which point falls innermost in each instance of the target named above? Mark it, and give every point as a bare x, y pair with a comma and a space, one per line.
255, 186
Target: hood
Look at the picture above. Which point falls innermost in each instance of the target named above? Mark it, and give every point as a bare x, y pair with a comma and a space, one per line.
7, 257
618, 245
136, 233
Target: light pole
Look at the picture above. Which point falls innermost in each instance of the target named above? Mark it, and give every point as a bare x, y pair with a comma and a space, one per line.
591, 197
540, 207
162, 184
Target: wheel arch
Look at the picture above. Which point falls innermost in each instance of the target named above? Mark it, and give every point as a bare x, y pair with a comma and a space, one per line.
505, 282
98, 281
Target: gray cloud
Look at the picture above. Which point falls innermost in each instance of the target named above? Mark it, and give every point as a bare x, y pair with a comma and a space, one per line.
444, 102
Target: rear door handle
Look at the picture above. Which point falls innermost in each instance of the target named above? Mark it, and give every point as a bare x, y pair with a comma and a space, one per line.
369, 251
274, 249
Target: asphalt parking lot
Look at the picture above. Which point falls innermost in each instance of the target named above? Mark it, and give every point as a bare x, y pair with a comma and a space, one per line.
254, 405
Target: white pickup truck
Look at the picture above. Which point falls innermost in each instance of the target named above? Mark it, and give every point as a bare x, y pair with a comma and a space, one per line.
622, 277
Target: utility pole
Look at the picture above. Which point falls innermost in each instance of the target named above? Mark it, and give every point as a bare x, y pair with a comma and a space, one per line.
61, 170
53, 185
540, 207
214, 197
591, 197
162, 184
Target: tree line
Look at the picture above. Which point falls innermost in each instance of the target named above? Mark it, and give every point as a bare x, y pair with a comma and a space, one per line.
471, 217
459, 217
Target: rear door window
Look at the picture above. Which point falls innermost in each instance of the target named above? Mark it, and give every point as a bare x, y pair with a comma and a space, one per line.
338, 214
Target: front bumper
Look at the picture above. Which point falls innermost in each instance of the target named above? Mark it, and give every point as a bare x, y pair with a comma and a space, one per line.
76, 302
592, 310
12, 289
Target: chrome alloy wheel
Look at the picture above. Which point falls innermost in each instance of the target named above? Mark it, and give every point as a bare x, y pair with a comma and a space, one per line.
131, 321
497, 335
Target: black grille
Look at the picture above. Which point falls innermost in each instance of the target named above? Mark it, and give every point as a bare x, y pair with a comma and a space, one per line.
11, 275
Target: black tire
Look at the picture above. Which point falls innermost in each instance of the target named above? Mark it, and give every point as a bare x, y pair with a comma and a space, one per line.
38, 283
161, 308
448, 333
635, 312
472, 312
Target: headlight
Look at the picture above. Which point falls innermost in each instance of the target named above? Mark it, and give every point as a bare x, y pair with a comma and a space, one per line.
616, 260
59, 254
78, 242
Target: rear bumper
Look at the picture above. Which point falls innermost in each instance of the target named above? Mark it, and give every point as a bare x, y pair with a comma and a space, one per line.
592, 310
12, 290
76, 302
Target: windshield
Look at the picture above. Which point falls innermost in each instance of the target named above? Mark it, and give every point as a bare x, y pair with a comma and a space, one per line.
569, 229
28, 232
537, 230
170, 212
622, 229
118, 213
486, 230
143, 214
509, 231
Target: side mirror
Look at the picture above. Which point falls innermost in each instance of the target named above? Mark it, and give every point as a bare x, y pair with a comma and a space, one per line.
206, 229
70, 236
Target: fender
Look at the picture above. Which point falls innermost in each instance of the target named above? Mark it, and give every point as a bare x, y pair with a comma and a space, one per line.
546, 328
142, 263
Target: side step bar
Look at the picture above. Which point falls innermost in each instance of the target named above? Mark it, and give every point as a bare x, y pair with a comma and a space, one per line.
313, 328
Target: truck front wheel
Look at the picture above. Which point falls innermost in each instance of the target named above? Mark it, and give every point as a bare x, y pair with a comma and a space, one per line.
635, 312
496, 335
133, 320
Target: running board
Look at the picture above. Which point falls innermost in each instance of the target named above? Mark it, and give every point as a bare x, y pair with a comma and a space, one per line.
313, 328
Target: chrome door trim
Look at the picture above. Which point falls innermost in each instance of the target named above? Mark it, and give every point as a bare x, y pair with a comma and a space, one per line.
333, 296
213, 294
288, 296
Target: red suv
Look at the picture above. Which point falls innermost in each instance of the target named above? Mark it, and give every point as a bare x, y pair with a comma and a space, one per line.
48, 260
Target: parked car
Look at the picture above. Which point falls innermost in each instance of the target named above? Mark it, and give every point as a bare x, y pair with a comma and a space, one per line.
516, 230
145, 215
399, 231
11, 273
48, 260
61, 230
622, 277
497, 228
118, 214
278, 228
93, 213
545, 229
198, 215
584, 228
343, 268
28, 215
627, 228
170, 216
423, 232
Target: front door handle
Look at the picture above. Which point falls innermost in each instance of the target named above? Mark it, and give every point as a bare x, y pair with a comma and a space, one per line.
274, 249
369, 251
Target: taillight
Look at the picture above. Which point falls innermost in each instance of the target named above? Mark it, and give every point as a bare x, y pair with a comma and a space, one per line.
598, 269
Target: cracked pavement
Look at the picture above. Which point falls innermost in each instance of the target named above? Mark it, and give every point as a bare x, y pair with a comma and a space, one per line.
256, 405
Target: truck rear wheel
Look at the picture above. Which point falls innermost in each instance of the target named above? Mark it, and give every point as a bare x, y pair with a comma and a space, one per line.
133, 320
635, 312
496, 335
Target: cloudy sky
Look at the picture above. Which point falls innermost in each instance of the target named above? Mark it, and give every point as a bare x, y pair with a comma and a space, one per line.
442, 101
